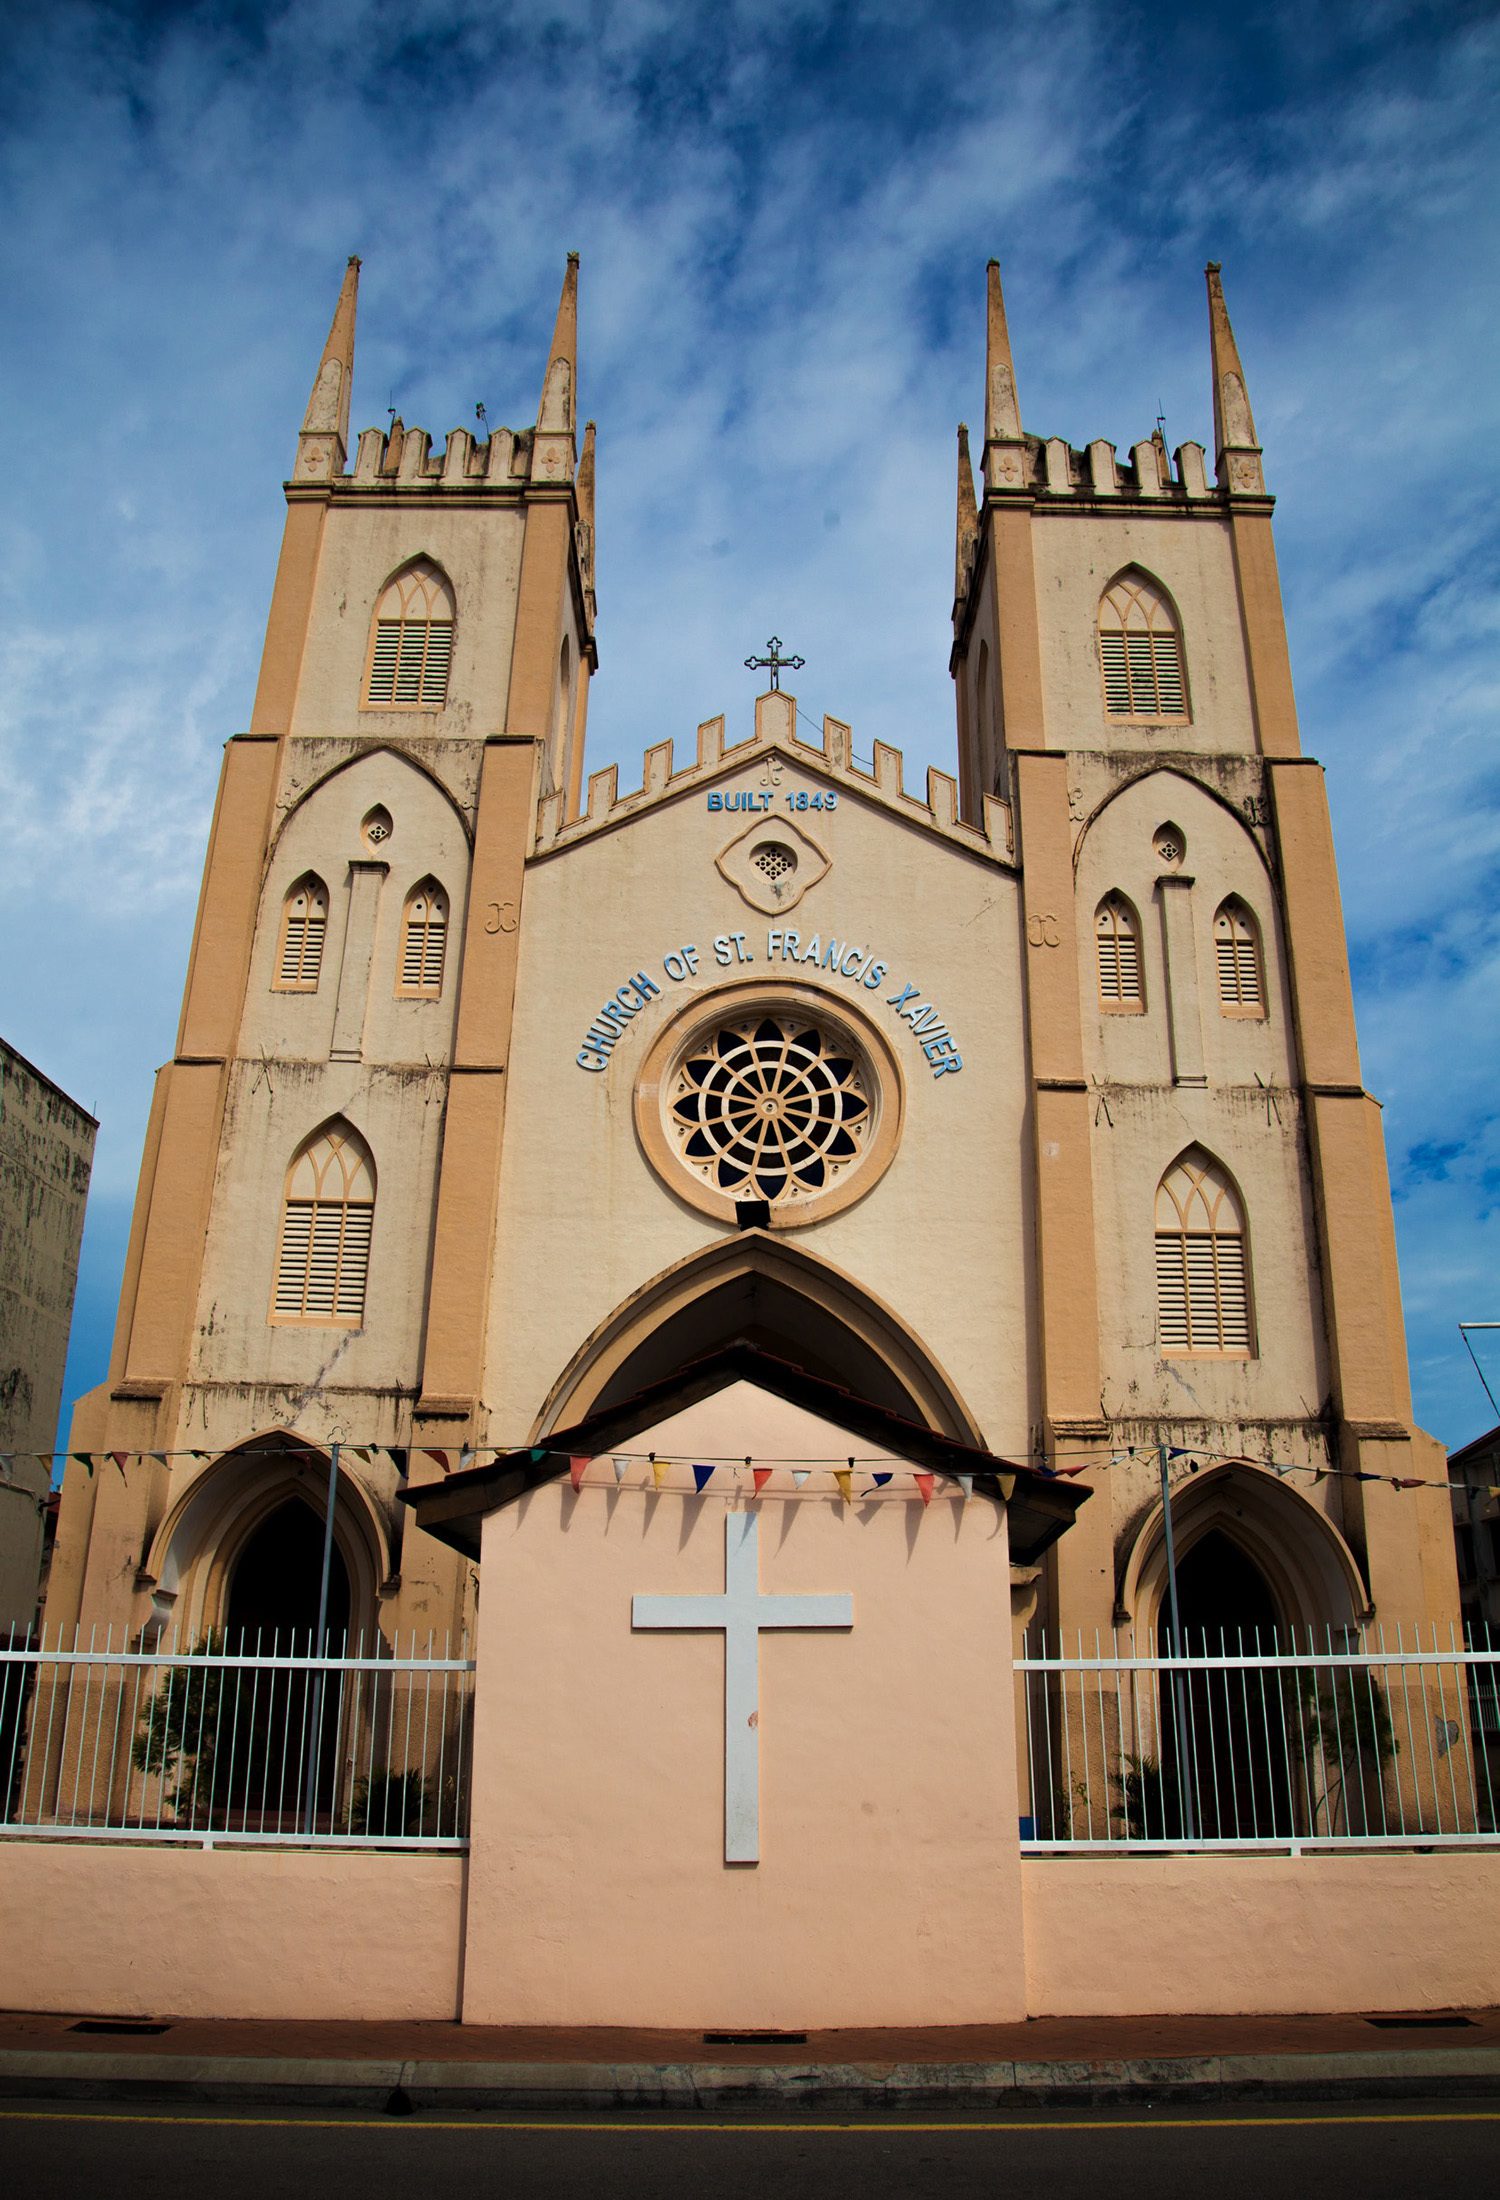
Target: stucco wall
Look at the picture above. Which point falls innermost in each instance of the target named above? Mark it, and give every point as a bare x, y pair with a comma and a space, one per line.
125, 1931
1246, 1935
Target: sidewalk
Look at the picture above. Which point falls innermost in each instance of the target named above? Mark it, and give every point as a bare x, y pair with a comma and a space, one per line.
1052, 2059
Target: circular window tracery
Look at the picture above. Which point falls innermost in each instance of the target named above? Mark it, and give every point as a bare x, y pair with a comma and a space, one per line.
770, 1107
776, 1099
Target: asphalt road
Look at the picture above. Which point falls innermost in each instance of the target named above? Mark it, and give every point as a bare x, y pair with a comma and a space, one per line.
1340, 2151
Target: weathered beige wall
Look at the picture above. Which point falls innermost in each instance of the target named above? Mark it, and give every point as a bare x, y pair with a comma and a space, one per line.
1077, 555
173, 1932
364, 543
887, 1889
1258, 1935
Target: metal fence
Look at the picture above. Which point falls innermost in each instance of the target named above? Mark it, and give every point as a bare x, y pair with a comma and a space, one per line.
1255, 1745
247, 1745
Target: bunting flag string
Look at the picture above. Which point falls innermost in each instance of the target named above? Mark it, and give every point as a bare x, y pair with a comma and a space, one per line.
883, 1468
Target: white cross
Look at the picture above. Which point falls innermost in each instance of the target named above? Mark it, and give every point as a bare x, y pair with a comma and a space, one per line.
740, 1614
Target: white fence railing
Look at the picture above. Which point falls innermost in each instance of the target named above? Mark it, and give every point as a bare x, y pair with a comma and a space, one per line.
262, 1745
1259, 1747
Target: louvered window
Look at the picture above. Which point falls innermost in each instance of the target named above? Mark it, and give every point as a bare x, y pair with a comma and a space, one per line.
1202, 1276
1140, 651
1117, 941
323, 1262
1242, 985
304, 924
424, 941
411, 647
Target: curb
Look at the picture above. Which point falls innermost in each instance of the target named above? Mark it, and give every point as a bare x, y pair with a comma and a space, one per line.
267, 2081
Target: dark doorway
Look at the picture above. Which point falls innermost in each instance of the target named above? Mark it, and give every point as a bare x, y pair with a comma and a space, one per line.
1227, 1729
282, 1723
273, 1590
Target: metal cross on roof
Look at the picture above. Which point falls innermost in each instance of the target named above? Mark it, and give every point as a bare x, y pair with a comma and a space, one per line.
775, 661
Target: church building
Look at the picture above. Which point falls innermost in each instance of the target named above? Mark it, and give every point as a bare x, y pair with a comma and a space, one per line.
1020, 1110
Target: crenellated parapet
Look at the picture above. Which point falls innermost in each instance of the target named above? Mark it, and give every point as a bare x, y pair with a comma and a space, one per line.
831, 758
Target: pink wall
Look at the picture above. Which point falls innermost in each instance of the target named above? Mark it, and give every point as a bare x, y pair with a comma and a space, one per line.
1247, 1935
888, 1890
125, 1931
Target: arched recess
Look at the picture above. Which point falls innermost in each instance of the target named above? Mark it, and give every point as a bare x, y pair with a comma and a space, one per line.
1168, 771
1309, 1569
771, 1293
193, 1554
353, 763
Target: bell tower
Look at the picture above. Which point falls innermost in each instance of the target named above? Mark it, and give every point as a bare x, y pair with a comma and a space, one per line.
1213, 1237
311, 1240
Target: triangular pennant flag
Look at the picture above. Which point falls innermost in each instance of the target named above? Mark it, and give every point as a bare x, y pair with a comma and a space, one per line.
86, 1461
1357, 1477
538, 1454
1406, 1482
619, 1466
845, 1481
159, 1456
119, 1458
800, 1477
924, 1487
361, 1452
702, 1476
466, 1458
1176, 1454
1007, 1484
1493, 1489
576, 1470
398, 1457
880, 1480
659, 1470
760, 1476
440, 1456
966, 1484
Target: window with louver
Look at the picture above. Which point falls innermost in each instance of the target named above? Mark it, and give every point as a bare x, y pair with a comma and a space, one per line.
424, 942
304, 925
1140, 651
1202, 1278
1242, 988
323, 1260
1117, 940
411, 646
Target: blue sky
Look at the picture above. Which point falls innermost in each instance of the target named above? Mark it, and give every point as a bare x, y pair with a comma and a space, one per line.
784, 213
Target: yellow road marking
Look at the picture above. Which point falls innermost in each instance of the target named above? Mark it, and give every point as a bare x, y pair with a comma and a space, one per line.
479, 2121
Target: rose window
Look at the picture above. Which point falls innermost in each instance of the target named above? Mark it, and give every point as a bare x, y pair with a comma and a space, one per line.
773, 1107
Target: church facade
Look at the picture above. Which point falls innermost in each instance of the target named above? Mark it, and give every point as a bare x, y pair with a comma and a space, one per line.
1024, 1105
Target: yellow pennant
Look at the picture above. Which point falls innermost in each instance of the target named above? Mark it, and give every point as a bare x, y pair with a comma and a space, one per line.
845, 1481
659, 1471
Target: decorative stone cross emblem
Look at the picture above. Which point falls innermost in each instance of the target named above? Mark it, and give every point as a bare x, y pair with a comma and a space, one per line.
776, 662
740, 1614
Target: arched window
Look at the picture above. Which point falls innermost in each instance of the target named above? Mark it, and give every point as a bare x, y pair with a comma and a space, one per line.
1202, 1274
323, 1262
1117, 946
1140, 650
411, 641
424, 942
304, 924
1237, 956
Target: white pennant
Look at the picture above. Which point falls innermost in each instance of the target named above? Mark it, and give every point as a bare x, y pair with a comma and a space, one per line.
800, 1475
619, 1466
966, 1484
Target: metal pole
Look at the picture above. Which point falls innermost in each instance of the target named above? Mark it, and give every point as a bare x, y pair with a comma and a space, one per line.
315, 1724
1184, 1783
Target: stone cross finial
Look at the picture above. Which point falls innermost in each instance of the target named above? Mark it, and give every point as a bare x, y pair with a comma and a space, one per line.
775, 661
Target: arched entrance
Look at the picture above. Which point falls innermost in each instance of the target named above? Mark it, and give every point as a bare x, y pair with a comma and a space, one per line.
1225, 1728
281, 1723
274, 1585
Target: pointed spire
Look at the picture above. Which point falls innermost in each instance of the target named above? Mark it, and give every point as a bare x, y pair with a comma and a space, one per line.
1002, 412
968, 516
554, 454
584, 489
1238, 452
324, 442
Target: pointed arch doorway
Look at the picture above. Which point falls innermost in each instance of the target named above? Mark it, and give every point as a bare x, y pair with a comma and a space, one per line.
285, 1751
1225, 1734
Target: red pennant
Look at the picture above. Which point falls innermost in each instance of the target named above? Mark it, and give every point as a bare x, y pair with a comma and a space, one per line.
760, 1476
924, 1486
1406, 1482
119, 1458
441, 1457
576, 1470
